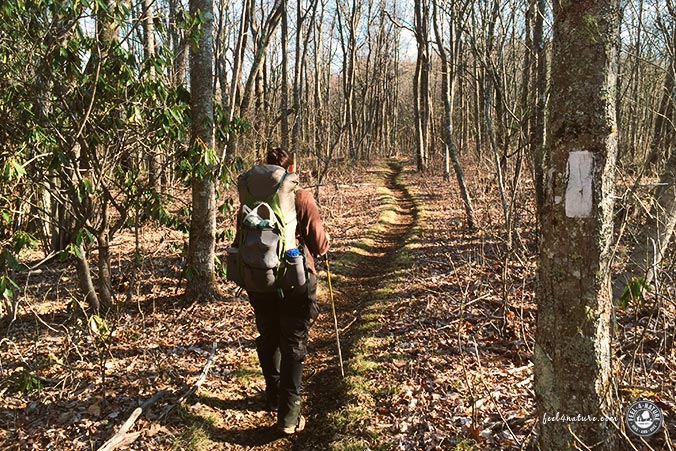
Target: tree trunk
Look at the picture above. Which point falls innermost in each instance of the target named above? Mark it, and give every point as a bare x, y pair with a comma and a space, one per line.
347, 28
494, 147
633, 114
478, 134
200, 270
284, 103
105, 275
421, 83
84, 278
260, 48
447, 86
572, 353
538, 130
299, 67
154, 159
179, 44
663, 125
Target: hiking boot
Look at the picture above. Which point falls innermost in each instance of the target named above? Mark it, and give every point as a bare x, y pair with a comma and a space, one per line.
298, 427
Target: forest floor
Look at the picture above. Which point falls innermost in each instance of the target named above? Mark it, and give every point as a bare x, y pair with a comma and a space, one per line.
436, 326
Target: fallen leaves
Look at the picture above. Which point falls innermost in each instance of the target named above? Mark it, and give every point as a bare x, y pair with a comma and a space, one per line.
454, 304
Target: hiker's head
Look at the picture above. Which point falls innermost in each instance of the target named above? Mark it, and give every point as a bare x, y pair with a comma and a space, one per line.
280, 157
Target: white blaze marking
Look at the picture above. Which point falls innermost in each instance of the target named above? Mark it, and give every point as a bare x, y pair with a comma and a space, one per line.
579, 200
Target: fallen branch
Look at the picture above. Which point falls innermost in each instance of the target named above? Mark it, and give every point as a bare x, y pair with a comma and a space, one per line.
124, 438
196, 385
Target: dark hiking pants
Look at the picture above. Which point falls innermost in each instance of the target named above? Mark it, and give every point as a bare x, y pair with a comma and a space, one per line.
283, 325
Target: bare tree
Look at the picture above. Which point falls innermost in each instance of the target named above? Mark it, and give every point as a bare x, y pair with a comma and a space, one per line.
654, 236
347, 28
284, 95
448, 63
421, 81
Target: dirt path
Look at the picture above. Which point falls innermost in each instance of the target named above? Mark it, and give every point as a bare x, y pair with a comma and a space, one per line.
235, 417
357, 274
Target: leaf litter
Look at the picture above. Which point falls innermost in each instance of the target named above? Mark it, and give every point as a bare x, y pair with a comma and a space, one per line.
453, 347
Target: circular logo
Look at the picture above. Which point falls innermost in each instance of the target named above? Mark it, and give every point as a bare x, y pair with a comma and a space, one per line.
644, 418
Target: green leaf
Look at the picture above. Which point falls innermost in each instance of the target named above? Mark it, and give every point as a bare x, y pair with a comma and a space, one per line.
99, 327
136, 117
23, 240
85, 188
228, 206
5, 216
8, 260
13, 170
7, 287
74, 250
633, 292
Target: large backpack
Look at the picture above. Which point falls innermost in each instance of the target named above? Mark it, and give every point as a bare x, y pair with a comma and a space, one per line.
267, 230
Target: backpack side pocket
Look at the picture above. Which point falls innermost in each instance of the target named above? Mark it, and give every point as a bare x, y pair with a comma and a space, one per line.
260, 259
232, 267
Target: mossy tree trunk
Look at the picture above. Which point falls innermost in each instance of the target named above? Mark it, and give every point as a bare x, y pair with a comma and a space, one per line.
572, 352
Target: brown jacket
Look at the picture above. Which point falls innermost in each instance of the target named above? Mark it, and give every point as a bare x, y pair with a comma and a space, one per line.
310, 227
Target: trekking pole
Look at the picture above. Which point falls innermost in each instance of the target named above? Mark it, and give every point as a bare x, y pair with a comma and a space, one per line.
333, 310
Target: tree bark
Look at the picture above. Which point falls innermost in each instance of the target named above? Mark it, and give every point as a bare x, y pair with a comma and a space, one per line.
179, 44
154, 159
572, 354
663, 126
84, 278
202, 239
105, 274
538, 130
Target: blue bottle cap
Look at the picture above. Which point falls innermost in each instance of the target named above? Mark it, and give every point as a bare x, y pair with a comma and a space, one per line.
293, 252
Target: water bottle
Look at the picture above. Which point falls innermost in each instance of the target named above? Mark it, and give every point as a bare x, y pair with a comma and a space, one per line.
295, 268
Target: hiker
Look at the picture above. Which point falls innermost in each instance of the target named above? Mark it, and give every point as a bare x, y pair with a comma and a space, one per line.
276, 268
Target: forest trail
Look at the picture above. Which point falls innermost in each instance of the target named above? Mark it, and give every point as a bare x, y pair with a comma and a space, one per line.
357, 275
237, 418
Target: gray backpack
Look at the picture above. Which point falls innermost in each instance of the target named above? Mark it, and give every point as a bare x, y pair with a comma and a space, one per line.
267, 258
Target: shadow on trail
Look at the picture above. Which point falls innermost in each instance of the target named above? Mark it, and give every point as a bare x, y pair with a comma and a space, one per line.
326, 393
248, 404
247, 437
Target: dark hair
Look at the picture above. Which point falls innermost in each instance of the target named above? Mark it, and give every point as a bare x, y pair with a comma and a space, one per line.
279, 157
